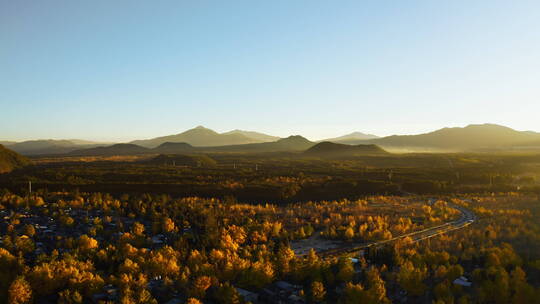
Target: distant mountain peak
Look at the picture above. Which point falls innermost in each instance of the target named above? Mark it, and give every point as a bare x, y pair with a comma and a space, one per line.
253, 135
199, 136
361, 135
200, 129
294, 138
354, 136
486, 125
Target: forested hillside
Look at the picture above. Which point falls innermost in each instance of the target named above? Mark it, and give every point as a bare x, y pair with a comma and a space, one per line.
10, 160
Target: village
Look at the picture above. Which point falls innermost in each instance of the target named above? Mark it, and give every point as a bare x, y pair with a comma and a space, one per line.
41, 233
38, 231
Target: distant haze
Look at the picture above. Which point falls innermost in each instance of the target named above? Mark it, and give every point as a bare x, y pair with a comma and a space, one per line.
472, 138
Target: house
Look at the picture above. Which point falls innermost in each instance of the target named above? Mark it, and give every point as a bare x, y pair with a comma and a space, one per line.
99, 297
111, 291
462, 281
109, 294
285, 286
174, 301
268, 295
248, 295
158, 239
287, 292
295, 299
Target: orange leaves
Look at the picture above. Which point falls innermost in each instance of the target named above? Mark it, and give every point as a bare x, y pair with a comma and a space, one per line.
19, 292
163, 262
66, 273
138, 229
411, 278
318, 292
87, 243
200, 285
128, 266
167, 225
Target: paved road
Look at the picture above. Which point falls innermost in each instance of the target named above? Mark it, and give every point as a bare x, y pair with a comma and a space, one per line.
467, 218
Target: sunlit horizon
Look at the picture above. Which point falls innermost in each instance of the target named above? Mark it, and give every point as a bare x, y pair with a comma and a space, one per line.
333, 133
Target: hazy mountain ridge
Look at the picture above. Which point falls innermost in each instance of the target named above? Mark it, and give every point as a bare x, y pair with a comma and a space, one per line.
351, 137
254, 135
51, 146
471, 137
484, 137
291, 143
116, 149
7, 142
198, 137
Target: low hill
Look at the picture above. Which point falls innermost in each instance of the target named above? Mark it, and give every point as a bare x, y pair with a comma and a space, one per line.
173, 148
10, 160
197, 160
199, 137
117, 149
471, 137
329, 149
291, 143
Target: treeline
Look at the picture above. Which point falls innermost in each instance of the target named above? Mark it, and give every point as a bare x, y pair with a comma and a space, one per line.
252, 179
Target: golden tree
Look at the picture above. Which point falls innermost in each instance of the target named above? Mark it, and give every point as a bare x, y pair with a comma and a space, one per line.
167, 225
87, 243
137, 229
200, 285
318, 292
19, 291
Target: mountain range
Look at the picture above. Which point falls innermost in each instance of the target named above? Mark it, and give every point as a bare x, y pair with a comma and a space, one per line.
479, 137
51, 146
203, 137
289, 144
483, 137
196, 137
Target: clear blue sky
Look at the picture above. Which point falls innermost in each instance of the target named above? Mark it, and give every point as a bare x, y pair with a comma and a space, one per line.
121, 70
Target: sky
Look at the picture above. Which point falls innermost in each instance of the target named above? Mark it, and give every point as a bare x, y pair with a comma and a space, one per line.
125, 69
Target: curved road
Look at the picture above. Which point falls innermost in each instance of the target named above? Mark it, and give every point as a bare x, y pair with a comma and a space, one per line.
467, 217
